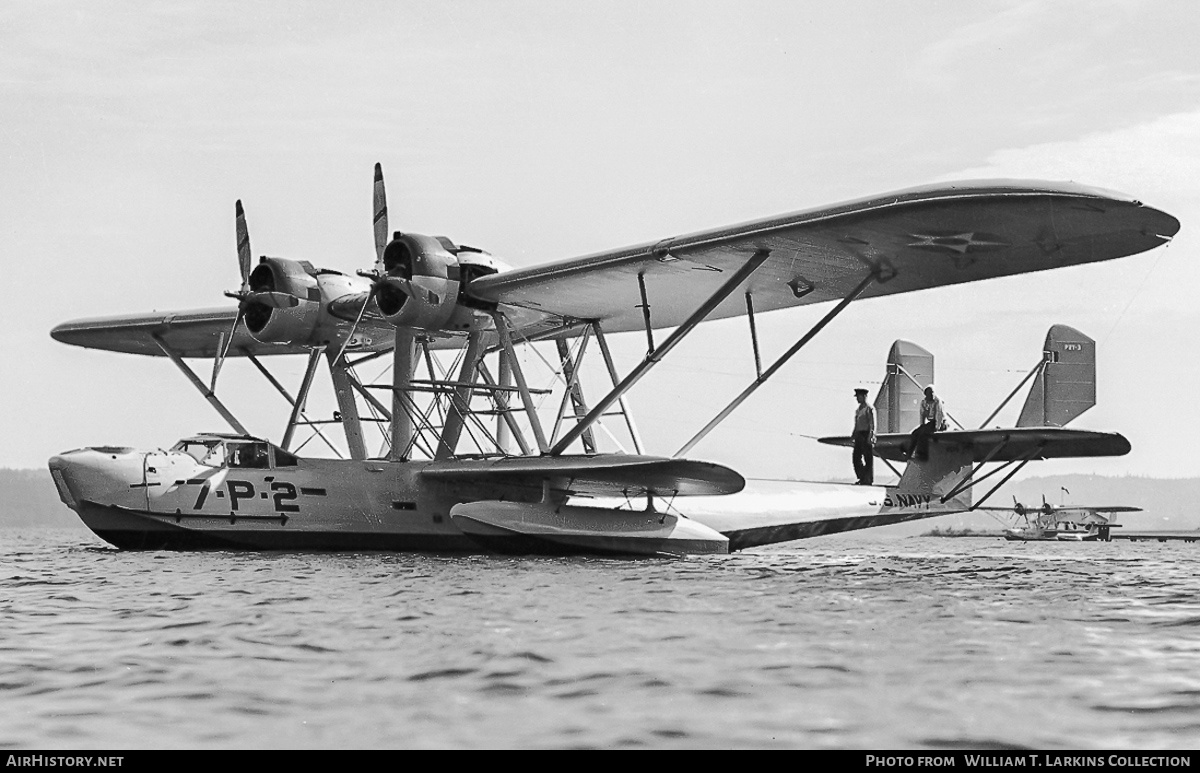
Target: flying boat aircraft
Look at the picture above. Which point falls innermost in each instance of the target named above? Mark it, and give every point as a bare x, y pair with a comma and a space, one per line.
469, 460
1062, 523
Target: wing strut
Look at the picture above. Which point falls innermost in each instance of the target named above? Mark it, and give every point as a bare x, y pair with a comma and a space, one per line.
753, 335
204, 390
612, 374
645, 307
379, 407
460, 399
1028, 457
347, 406
762, 377
291, 401
574, 391
403, 364
314, 359
971, 481
1036, 369
505, 336
505, 435
506, 421
656, 356
901, 370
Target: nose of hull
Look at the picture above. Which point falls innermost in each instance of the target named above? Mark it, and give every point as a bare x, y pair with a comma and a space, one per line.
59, 470
95, 474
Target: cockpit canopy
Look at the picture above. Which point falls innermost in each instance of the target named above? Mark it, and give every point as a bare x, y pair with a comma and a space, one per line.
234, 451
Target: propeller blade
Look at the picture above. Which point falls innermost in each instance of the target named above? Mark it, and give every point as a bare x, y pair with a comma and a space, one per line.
380, 222
381, 219
243, 246
228, 339
274, 300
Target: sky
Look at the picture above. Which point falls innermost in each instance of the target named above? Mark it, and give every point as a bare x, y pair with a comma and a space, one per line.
544, 130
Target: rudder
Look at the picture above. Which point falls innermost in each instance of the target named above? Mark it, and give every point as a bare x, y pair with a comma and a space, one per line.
909, 371
1065, 385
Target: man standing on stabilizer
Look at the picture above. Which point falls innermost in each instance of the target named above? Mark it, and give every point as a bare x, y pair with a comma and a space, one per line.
864, 439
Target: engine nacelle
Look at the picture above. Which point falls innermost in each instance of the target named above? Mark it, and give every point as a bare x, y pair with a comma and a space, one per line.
277, 323
423, 288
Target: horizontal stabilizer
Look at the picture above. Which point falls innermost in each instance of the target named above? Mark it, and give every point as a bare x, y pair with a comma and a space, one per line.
1004, 445
612, 475
1065, 385
909, 371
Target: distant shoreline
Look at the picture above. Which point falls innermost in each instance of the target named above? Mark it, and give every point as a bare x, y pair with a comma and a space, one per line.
937, 531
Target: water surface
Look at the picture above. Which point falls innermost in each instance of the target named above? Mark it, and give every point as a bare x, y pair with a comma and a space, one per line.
849, 642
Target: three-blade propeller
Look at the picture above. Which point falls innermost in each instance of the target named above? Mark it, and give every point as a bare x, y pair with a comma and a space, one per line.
245, 296
378, 275
1020, 510
248, 297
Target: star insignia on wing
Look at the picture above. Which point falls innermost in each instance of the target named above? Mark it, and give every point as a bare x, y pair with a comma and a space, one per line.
957, 243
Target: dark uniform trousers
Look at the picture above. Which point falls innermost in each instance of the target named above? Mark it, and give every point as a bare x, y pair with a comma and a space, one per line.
864, 460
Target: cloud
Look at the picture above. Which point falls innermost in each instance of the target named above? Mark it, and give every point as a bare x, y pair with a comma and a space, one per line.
940, 61
1154, 158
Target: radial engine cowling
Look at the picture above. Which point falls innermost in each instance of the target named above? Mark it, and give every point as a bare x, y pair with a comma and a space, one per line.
421, 290
283, 323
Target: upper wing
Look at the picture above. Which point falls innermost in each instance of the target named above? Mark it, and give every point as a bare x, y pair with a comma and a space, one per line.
914, 239
199, 333
918, 238
195, 333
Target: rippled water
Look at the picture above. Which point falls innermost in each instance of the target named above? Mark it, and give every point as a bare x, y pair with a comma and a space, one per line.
853, 642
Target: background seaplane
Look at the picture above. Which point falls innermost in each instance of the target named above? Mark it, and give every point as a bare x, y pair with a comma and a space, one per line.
1063, 523
470, 458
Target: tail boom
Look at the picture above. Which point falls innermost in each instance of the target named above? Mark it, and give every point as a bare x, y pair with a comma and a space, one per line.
767, 512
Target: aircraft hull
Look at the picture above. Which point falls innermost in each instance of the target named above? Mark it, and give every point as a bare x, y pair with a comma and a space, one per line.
133, 530
167, 500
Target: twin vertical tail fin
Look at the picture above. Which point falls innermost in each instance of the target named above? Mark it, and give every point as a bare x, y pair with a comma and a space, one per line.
1065, 385
909, 371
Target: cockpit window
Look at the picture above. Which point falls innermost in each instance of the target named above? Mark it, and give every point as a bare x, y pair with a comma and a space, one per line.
284, 459
247, 455
205, 452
